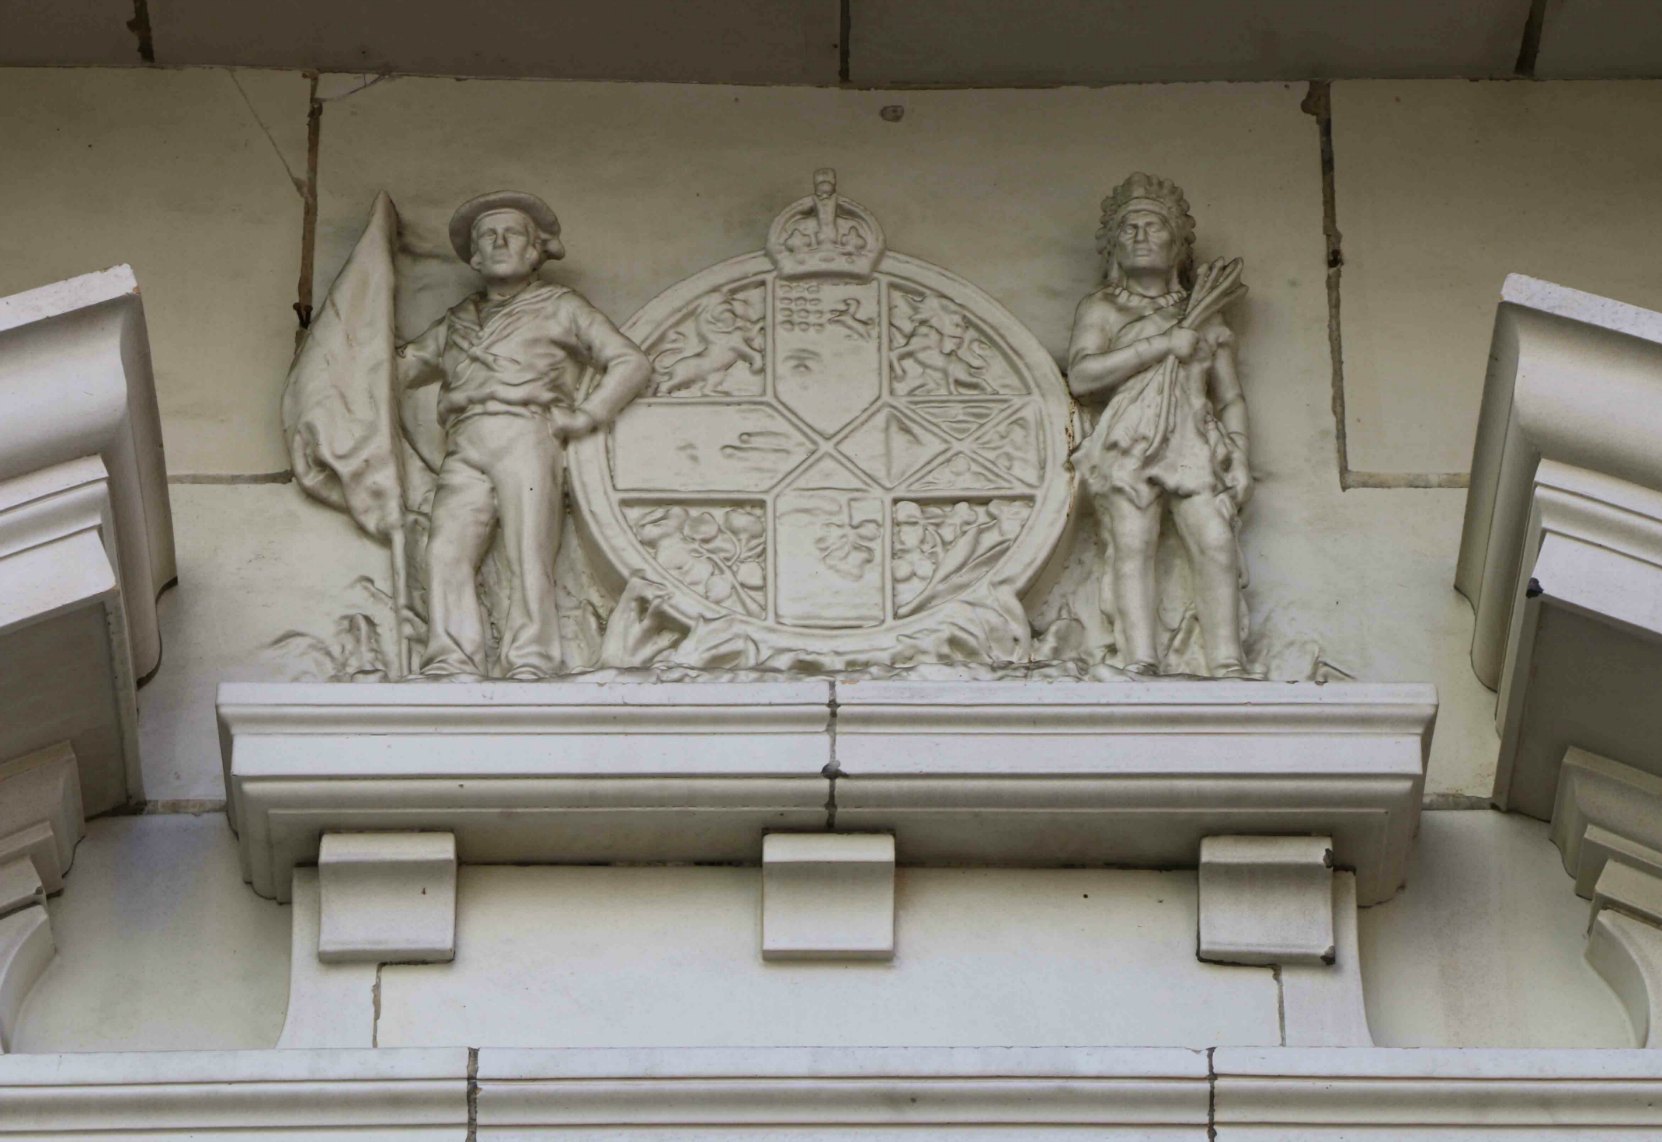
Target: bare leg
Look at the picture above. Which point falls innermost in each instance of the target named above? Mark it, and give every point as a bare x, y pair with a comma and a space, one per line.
1204, 524
1135, 532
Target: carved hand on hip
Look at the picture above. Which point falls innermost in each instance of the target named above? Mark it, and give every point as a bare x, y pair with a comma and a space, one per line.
571, 423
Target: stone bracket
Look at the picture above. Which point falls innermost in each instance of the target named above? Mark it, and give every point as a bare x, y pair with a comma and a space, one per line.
26, 948
20, 885
40, 813
828, 896
1266, 900
387, 897
1606, 811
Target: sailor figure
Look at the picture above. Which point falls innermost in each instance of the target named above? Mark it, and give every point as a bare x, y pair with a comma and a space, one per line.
508, 361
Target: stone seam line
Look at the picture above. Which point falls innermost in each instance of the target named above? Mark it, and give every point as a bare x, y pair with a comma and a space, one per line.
139, 25
1318, 103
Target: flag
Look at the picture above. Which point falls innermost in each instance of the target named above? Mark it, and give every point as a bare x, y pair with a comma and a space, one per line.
340, 411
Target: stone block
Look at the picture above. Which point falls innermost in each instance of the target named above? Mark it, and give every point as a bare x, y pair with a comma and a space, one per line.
1322, 1003
643, 957
691, 41
1488, 904
156, 167
1633, 890
1490, 179
1610, 39
387, 897
40, 812
1266, 900
161, 947
988, 43
20, 885
827, 896
1605, 812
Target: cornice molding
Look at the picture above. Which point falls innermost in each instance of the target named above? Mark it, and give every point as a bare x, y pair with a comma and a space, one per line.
1132, 774
422, 1093
1306, 1095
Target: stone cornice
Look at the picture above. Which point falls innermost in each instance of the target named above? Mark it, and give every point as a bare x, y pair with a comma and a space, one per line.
421, 1093
976, 773
1302, 1095
1285, 1094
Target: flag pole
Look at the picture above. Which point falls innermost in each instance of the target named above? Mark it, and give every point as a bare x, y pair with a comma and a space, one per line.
400, 603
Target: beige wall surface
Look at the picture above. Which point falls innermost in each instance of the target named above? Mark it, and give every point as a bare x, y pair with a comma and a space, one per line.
653, 183
197, 178
1443, 189
189, 176
162, 947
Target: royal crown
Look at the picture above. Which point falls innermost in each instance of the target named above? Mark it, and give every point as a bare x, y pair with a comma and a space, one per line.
825, 235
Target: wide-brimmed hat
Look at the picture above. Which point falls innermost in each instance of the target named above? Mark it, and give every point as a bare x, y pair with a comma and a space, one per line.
534, 208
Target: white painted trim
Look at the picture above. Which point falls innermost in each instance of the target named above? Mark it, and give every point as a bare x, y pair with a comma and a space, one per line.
319, 1095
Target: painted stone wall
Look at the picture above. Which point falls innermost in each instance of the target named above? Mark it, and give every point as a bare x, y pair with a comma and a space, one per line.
1374, 269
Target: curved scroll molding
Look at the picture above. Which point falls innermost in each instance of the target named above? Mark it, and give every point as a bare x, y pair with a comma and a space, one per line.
1627, 952
26, 948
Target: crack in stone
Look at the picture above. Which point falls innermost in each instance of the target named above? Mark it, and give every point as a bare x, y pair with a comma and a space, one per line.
308, 232
139, 25
832, 770
283, 477
375, 1002
1318, 102
296, 180
472, 1094
368, 83
1529, 47
1280, 1003
1212, 1094
845, 29
1407, 479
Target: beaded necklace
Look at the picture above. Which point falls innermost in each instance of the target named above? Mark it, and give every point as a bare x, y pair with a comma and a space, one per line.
1127, 298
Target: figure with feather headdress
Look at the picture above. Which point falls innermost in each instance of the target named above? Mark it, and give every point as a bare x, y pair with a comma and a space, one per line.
1172, 437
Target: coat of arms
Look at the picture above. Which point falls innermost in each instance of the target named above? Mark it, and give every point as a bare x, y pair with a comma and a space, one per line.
845, 457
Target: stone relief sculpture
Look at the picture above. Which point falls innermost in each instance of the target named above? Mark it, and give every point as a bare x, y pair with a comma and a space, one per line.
848, 459
823, 456
1172, 438
509, 364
